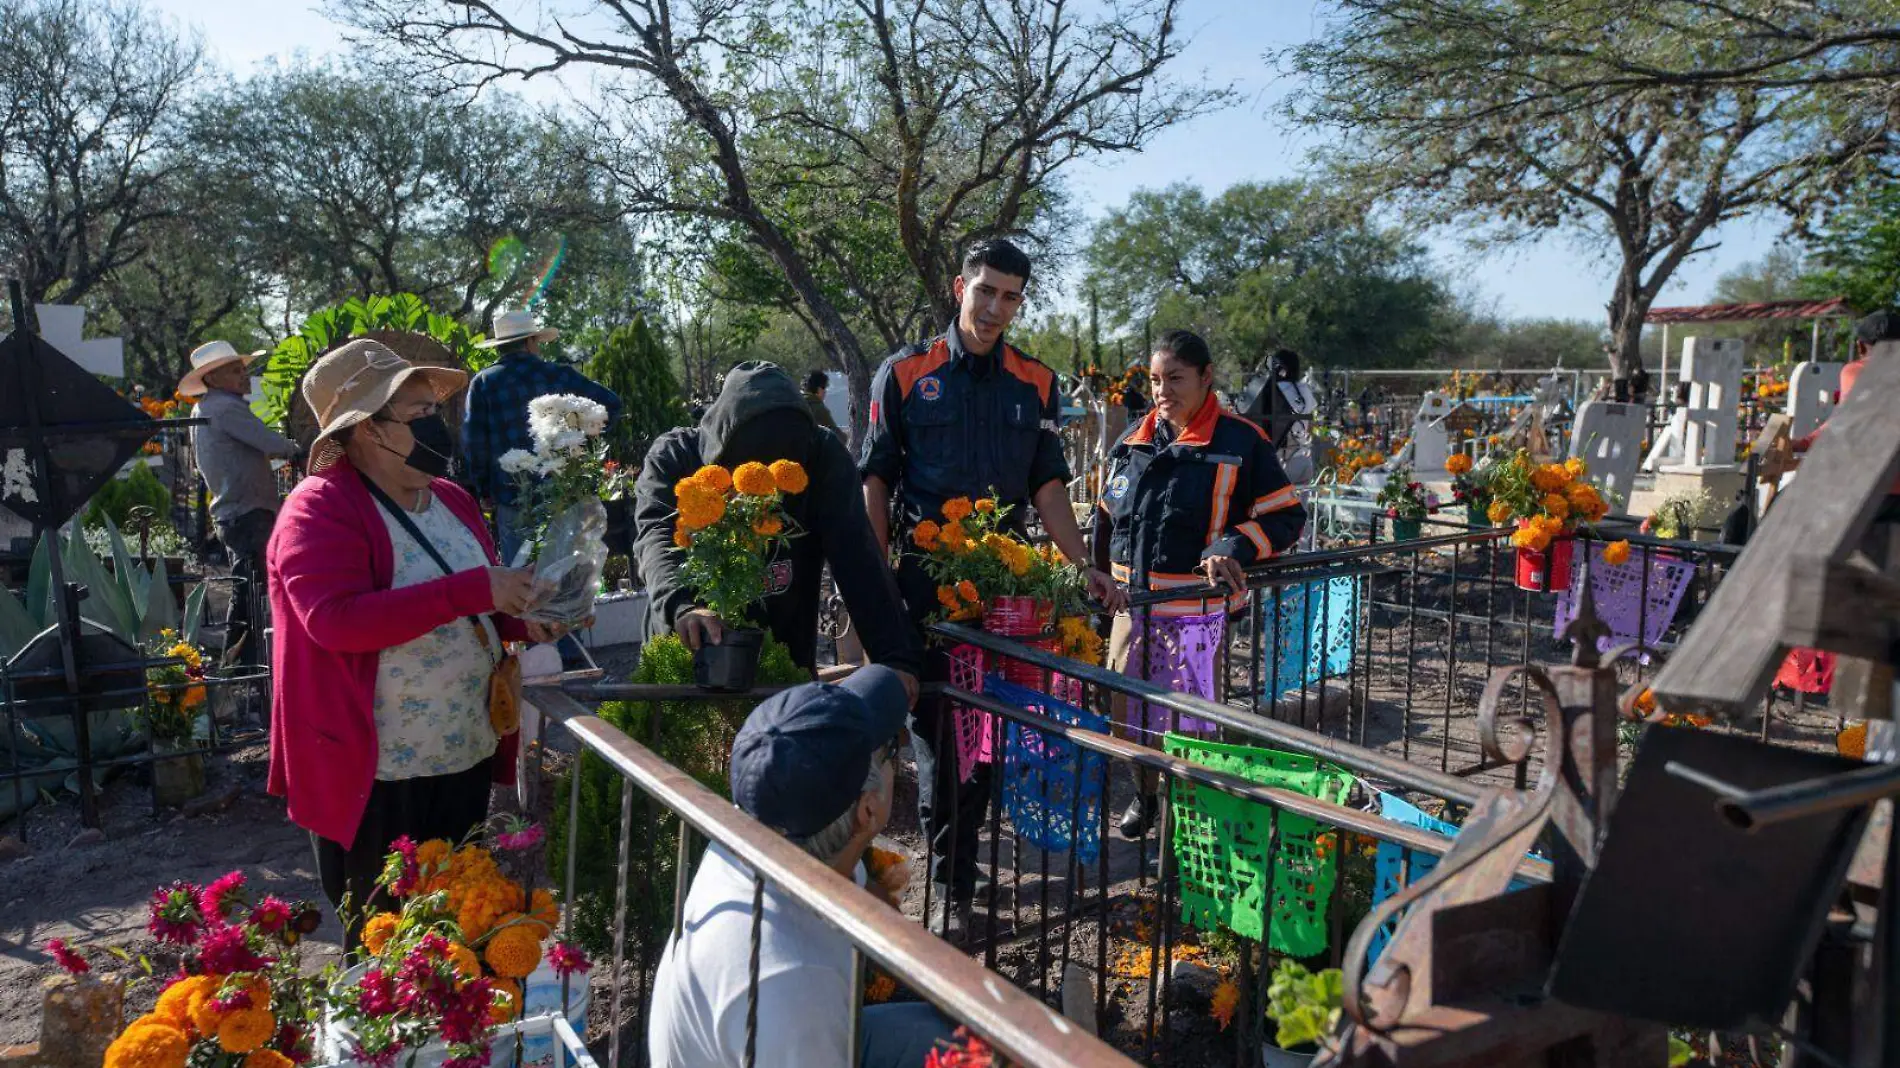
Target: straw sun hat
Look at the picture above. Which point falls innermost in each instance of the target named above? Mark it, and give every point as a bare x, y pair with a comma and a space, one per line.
354, 382
207, 358
513, 324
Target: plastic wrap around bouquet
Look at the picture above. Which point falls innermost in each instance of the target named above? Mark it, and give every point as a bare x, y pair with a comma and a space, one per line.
560, 484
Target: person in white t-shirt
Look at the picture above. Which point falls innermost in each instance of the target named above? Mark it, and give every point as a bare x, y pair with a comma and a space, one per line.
817, 763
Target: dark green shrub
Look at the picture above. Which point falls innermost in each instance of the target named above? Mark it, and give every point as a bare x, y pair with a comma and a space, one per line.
117, 498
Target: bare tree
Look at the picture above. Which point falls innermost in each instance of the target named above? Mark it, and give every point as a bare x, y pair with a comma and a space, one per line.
853, 146
90, 94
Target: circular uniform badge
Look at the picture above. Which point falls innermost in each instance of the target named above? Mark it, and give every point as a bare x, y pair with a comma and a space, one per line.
930, 388
1117, 486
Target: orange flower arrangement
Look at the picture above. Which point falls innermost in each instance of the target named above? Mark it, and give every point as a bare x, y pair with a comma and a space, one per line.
974, 559
730, 524
1546, 500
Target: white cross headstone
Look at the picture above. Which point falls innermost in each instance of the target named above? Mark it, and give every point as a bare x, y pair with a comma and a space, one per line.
1811, 390
1666, 450
1430, 444
63, 327
1713, 369
1609, 437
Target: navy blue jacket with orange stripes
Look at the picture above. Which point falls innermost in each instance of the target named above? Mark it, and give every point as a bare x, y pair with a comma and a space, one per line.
948, 424
1216, 489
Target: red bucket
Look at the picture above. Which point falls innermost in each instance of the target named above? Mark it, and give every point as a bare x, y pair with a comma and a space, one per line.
1022, 618
1534, 567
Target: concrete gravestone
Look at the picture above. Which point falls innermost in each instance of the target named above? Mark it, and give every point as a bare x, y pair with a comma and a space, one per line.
1811, 391
1713, 369
63, 327
1609, 437
1430, 444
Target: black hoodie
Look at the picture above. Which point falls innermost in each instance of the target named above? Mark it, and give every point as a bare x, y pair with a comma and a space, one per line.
761, 415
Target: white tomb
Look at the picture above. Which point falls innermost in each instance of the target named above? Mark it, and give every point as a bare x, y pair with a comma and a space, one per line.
1609, 437
1713, 369
1431, 443
1811, 391
63, 327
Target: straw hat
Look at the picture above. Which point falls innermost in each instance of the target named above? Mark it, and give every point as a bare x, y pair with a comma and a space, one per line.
209, 357
354, 382
514, 324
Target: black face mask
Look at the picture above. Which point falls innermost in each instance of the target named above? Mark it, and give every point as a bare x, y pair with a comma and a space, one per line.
434, 444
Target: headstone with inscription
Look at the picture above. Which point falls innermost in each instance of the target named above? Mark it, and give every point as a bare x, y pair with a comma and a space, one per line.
1609, 437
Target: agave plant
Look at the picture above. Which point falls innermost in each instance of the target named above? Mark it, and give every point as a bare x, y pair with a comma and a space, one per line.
128, 598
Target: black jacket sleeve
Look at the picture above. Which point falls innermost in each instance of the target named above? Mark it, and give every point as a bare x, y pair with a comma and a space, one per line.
1265, 513
655, 513
864, 579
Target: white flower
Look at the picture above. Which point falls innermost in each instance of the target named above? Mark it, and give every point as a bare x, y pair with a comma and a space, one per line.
552, 417
516, 461
549, 465
16, 479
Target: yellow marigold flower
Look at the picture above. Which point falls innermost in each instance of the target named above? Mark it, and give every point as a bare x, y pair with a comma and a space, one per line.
1556, 505
1498, 512
1531, 536
1617, 553
926, 535
174, 1005
1457, 463
700, 511
507, 1003
956, 509
754, 479
683, 537
986, 505
1575, 467
464, 961
1549, 478
714, 478
967, 590
514, 952
205, 1017
149, 1044
767, 525
267, 1058
789, 476
947, 597
246, 1029
378, 931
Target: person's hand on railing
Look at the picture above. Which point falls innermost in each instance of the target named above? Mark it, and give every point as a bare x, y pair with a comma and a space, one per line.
1219, 569
1105, 590
698, 627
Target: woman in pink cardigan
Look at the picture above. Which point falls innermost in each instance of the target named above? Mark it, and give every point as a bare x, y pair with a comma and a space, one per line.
390, 614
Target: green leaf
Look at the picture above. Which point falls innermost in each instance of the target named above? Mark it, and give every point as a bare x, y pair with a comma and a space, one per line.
1680, 1052
17, 625
194, 614
105, 604
39, 581
124, 571
157, 609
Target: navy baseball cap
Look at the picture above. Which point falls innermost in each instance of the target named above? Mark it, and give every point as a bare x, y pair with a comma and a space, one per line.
801, 758
1878, 327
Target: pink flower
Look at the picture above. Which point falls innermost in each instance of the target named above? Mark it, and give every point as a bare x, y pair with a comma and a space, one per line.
226, 950
232, 999
400, 871
382, 1058
175, 915
271, 915
66, 957
525, 836
376, 993
214, 900
568, 960
465, 1015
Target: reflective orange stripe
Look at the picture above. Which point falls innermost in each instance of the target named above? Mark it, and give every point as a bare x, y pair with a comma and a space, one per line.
1223, 492
1284, 497
1263, 548
1186, 606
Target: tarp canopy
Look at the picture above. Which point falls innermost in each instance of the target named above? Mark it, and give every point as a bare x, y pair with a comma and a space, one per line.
1832, 308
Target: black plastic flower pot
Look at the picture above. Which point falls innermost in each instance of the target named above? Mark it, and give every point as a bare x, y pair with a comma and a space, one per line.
732, 664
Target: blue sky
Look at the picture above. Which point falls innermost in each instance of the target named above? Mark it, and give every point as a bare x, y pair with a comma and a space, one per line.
1555, 277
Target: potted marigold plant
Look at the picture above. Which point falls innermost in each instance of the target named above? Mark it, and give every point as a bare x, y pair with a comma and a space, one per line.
1546, 501
730, 525
239, 996
174, 699
455, 962
1405, 502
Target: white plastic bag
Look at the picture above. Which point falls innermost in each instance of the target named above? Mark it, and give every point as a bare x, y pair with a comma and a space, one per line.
567, 563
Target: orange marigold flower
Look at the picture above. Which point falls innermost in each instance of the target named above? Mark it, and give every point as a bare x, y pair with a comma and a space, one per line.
789, 476
1457, 463
714, 478
246, 1029
1226, 1000
267, 1058
754, 479
967, 590
507, 1003
683, 537
947, 597
174, 1005
1617, 553
880, 989
1645, 702
957, 509
1549, 478
954, 538
149, 1043
768, 525
1852, 742
1575, 467
986, 505
378, 931
541, 907
1498, 512
1556, 505
926, 535
464, 961
514, 952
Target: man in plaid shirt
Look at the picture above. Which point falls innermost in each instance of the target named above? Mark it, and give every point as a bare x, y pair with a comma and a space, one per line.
497, 416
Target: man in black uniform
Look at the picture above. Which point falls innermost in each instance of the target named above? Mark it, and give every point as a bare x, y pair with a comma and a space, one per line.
964, 414
761, 415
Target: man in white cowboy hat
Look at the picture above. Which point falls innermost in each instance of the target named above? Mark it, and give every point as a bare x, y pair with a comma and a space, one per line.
496, 418
234, 450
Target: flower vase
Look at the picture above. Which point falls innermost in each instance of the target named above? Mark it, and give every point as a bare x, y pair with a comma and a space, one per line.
1406, 529
539, 1046
1552, 566
731, 664
178, 778
1477, 511
1024, 619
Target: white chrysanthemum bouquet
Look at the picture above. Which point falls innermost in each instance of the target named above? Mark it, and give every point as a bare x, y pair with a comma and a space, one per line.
560, 485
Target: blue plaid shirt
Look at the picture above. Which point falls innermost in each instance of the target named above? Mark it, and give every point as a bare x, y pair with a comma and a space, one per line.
496, 419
